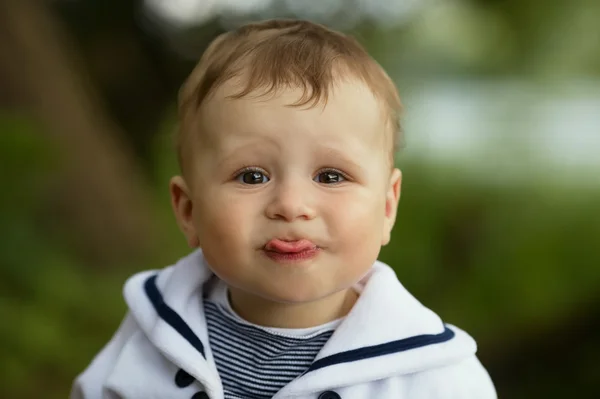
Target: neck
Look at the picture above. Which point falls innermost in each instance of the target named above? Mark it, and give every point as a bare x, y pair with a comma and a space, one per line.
263, 312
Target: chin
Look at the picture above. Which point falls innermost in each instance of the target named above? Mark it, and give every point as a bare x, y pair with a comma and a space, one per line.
293, 295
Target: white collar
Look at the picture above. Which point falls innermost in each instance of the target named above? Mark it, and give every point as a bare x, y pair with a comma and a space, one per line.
388, 332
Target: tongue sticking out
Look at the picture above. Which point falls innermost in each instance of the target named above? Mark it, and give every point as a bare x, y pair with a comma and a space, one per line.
281, 246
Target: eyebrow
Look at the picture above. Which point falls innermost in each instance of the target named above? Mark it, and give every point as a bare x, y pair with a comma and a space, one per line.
323, 151
334, 153
252, 145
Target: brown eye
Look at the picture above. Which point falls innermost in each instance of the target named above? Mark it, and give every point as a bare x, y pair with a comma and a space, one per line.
329, 177
252, 177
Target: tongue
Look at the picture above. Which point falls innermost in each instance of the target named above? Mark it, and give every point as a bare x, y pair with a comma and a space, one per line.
289, 246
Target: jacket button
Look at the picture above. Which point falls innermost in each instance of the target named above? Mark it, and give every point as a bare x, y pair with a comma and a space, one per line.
329, 395
183, 379
200, 395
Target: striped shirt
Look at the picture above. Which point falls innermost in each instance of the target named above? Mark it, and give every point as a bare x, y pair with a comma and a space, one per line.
255, 362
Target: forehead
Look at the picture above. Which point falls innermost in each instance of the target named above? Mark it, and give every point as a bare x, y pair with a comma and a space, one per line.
350, 115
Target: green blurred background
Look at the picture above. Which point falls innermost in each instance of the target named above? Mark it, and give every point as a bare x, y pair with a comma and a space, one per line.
499, 222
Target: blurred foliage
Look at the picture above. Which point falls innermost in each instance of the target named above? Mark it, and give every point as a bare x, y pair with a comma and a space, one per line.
56, 314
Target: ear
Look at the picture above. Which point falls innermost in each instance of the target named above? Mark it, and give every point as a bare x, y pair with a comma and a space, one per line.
392, 197
182, 204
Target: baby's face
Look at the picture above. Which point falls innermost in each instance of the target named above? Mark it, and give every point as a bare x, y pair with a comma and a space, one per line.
291, 204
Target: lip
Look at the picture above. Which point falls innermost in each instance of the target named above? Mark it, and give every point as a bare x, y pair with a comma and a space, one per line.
291, 251
289, 246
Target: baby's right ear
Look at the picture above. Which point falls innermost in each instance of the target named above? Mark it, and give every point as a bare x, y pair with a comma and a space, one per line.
181, 201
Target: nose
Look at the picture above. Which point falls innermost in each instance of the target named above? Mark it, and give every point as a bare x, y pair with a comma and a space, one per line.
290, 201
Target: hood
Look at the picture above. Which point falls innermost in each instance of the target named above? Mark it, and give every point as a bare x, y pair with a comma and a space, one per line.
387, 333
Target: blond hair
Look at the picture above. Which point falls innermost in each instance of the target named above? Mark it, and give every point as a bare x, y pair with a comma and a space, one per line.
277, 54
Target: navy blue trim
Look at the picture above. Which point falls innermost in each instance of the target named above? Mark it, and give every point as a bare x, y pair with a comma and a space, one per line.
169, 315
366, 352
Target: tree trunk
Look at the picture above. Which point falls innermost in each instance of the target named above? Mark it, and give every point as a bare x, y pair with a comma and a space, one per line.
102, 194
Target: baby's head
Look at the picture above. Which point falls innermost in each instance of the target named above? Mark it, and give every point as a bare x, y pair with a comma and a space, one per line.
286, 143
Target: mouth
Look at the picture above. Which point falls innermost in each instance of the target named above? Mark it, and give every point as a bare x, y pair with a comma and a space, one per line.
289, 246
284, 251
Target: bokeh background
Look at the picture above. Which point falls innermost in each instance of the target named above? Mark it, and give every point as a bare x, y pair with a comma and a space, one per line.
499, 222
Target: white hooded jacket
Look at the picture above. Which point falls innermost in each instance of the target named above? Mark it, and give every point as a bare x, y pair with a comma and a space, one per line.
388, 346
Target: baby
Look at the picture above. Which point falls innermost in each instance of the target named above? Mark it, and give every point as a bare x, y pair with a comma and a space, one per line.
286, 147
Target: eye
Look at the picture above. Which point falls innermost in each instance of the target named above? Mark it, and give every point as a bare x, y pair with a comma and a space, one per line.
330, 177
252, 177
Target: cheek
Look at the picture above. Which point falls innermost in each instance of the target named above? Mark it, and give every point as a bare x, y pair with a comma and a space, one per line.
224, 227
222, 221
356, 219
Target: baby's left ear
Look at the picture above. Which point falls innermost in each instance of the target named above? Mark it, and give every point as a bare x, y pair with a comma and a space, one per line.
392, 197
